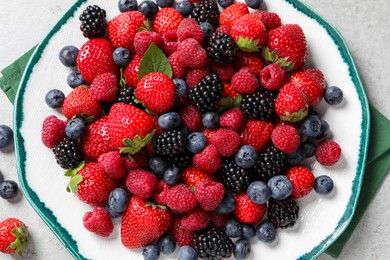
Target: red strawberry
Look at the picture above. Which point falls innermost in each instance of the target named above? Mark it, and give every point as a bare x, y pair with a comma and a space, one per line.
224, 71
273, 77
226, 141
208, 160
104, 87
98, 221
291, 104
139, 161
181, 235
191, 118
312, 83
232, 119
53, 131
229, 91
178, 69
288, 41
270, 20
232, 13
244, 81
302, 180
141, 183
209, 194
169, 42
95, 58
251, 60
191, 53
167, 19
328, 152
189, 28
257, 134
218, 220
195, 75
195, 220
160, 194
247, 211
180, 198
112, 164
13, 236
286, 138
131, 71
80, 102
143, 222
192, 176
142, 41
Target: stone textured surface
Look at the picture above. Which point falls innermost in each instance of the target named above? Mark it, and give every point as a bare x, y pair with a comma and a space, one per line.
363, 24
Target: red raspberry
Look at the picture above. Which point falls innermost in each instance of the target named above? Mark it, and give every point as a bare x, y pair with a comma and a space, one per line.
53, 131
139, 161
209, 194
195, 75
191, 53
251, 60
224, 29
142, 41
302, 181
141, 183
257, 134
192, 176
328, 152
169, 42
208, 133
208, 160
286, 138
191, 118
104, 87
182, 236
232, 119
195, 220
224, 71
98, 221
167, 19
218, 220
178, 69
244, 81
226, 141
270, 20
273, 77
131, 71
189, 28
180, 198
160, 195
247, 211
232, 13
112, 164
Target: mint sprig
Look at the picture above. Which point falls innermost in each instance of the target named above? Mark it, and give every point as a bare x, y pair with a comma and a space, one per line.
154, 60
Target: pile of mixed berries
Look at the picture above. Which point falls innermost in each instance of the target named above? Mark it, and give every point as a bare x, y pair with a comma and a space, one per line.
191, 124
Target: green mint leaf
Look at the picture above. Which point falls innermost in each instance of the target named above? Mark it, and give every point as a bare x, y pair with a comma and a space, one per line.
154, 60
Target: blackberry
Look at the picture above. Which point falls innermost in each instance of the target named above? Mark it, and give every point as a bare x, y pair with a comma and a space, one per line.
126, 95
260, 105
271, 162
233, 176
181, 160
283, 213
206, 11
213, 244
206, 94
171, 142
93, 22
68, 153
222, 48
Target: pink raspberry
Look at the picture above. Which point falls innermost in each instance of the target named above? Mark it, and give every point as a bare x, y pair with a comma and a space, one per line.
273, 77
182, 236
226, 141
224, 71
286, 138
195, 75
131, 71
270, 20
98, 221
104, 87
112, 164
223, 29
142, 41
218, 220
191, 53
53, 131
208, 160
191, 118
141, 183
244, 81
189, 28
178, 69
195, 220
328, 152
232, 119
209, 194
139, 161
180, 198
160, 195
169, 41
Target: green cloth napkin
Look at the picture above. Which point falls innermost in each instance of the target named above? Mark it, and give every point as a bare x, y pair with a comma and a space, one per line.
378, 158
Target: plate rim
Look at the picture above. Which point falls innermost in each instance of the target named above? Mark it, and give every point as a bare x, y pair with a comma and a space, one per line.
65, 237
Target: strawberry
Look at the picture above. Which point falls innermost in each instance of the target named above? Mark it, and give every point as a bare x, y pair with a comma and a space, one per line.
232, 119
139, 161
229, 91
328, 152
291, 104
257, 134
53, 131
251, 60
95, 58
104, 87
131, 71
141, 183
226, 141
224, 71
13, 236
167, 19
112, 164
189, 28
273, 77
195, 75
195, 220
244, 81
157, 92
312, 83
169, 42
191, 118
286, 138
178, 69
218, 220
98, 221
80, 103
142, 41
208, 160
247, 211
191, 53
233, 13
192, 176
180, 198
270, 20
182, 236
143, 222
302, 180
209, 194
289, 42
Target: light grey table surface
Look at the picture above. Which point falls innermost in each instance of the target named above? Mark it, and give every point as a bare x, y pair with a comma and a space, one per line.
365, 27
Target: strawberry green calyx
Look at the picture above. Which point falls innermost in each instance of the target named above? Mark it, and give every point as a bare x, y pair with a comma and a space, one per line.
294, 117
146, 28
87, 119
134, 146
122, 81
21, 239
272, 57
227, 103
248, 44
75, 178
154, 205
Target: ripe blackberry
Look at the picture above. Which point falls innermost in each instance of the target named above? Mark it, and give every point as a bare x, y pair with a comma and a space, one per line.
206, 11
93, 22
126, 95
233, 176
213, 244
283, 213
171, 142
271, 162
206, 94
181, 160
260, 105
222, 48
68, 153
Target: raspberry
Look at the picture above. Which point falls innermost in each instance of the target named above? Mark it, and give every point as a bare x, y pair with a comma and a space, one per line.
98, 221
257, 134
53, 131
112, 164
273, 77
195, 75
191, 53
182, 236
141, 183
223, 29
224, 71
160, 195
139, 161
208, 133
193, 176
270, 20
169, 41
232, 119
195, 220
142, 41
178, 69
131, 71
191, 118
244, 81
207, 160
247, 211
302, 180
226, 141
328, 152
286, 138
218, 220
180, 198
104, 87
189, 28
209, 194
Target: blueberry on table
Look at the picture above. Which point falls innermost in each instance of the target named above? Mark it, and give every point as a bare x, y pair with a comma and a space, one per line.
158, 165
233, 228
54, 98
187, 253
248, 231
127, 5
309, 148
166, 244
311, 126
255, 4
172, 175
117, 200
68, 56
246, 156
149, 9
6, 136
333, 95
151, 252
75, 128
266, 232
323, 184
225, 3
121, 56
184, 7
242, 249
297, 157
196, 142
75, 79
324, 131
8, 189
210, 120
259, 192
164, 3
207, 29
281, 187
169, 121
181, 87
228, 204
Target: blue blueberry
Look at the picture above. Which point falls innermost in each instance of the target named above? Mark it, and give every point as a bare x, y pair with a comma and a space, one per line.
259, 192
158, 165
255, 4
324, 130
196, 142
166, 244
248, 231
117, 200
309, 148
149, 9
297, 157
281, 187
184, 7
151, 252
113, 213
313, 113
207, 28
225, 3
127, 5
54, 98
311, 126
333, 95
187, 253
75, 79
121, 56
210, 120
181, 87
266, 232
323, 184
75, 128
169, 121
233, 228
164, 3
68, 56
228, 204
242, 249
6, 136
8, 189
246, 157
172, 175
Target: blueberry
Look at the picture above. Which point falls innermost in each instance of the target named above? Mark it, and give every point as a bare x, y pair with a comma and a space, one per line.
210, 120
68, 56
281, 187
149, 9
54, 98
158, 165
75, 128
248, 231
117, 200
309, 148
233, 228
172, 175
242, 249
225, 3
166, 244
181, 87
164, 3
333, 95
323, 184
196, 142
6, 136
169, 121
246, 157
207, 28
75, 79
185, 7
187, 253
324, 130
255, 4
228, 204
297, 157
121, 56
151, 252
259, 192
113, 213
313, 113
266, 232
311, 126
127, 5
8, 189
